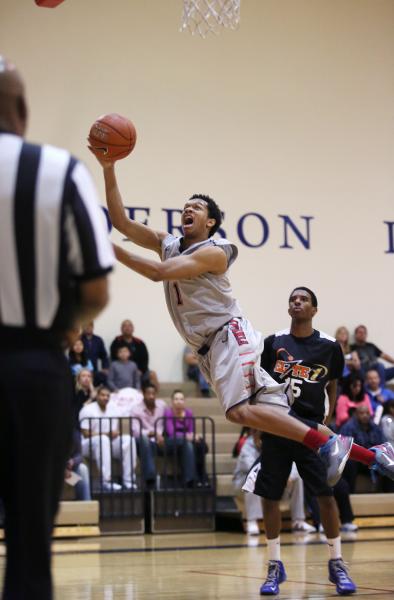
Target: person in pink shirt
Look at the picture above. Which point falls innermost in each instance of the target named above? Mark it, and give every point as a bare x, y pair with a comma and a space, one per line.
149, 410
353, 395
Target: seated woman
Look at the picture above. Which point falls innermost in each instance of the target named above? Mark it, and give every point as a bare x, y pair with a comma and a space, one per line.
180, 436
353, 395
352, 361
85, 391
78, 359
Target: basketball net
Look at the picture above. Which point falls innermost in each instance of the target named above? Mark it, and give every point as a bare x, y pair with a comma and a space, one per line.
208, 16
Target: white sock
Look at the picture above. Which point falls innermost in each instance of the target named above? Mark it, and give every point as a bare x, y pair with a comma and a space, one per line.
273, 547
334, 547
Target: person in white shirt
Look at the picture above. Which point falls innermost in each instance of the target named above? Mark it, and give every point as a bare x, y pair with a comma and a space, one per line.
294, 492
101, 434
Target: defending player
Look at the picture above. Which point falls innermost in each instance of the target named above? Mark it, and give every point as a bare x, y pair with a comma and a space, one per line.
311, 362
200, 302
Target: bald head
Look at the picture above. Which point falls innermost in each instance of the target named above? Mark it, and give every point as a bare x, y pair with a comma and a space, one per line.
13, 109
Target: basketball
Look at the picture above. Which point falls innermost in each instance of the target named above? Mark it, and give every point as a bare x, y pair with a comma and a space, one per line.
112, 136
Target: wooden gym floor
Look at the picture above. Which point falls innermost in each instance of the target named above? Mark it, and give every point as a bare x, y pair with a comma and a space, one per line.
214, 565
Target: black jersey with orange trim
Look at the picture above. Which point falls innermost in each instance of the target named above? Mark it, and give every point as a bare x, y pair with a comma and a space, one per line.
308, 364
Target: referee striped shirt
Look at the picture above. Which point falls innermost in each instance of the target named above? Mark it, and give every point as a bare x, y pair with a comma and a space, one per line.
52, 235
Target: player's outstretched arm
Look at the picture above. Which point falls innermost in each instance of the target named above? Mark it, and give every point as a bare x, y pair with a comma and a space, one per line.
137, 232
207, 260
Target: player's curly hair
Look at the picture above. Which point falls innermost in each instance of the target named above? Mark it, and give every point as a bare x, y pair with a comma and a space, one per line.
214, 211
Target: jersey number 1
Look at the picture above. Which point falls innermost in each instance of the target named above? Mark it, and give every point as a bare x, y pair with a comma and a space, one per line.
178, 294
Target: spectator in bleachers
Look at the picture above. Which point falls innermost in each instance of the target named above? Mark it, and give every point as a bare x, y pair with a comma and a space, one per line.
78, 358
193, 372
352, 396
365, 433
96, 352
370, 354
378, 393
250, 452
387, 422
101, 431
179, 435
75, 465
138, 351
243, 436
352, 361
148, 410
123, 372
85, 392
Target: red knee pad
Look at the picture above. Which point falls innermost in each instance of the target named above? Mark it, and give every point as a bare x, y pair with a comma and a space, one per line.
49, 3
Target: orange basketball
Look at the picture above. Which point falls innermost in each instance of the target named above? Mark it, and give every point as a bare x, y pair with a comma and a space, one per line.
113, 136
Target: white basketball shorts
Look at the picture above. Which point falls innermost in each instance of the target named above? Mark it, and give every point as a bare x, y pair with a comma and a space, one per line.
232, 366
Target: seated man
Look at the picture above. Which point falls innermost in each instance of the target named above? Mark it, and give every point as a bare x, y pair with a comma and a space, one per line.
138, 351
148, 410
75, 465
193, 371
101, 434
123, 372
96, 352
370, 354
365, 433
378, 393
294, 492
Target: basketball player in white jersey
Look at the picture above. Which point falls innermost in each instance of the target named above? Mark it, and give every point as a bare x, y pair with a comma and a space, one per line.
194, 269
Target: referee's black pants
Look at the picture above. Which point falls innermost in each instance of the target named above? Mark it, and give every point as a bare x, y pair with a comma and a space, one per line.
35, 439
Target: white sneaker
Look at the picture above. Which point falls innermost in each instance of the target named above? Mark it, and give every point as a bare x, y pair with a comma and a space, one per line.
252, 528
349, 527
109, 486
303, 526
128, 485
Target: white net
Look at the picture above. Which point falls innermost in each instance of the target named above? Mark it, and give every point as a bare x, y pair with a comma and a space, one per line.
208, 16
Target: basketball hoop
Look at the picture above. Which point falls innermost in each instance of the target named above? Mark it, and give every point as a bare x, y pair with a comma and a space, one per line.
208, 16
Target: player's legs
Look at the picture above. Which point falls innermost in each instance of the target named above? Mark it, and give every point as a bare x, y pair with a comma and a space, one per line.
272, 478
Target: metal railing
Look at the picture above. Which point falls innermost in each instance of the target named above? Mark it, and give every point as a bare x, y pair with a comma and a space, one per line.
109, 446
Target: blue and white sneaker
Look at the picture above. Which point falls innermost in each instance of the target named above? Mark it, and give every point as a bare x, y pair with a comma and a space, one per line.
276, 575
337, 573
335, 454
384, 459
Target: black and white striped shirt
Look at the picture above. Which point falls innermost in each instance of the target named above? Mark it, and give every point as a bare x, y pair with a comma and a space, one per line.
52, 234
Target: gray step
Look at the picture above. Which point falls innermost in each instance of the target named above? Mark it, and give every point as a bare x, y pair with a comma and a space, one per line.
225, 463
224, 485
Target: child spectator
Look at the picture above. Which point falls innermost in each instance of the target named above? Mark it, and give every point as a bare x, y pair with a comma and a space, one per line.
123, 372
78, 359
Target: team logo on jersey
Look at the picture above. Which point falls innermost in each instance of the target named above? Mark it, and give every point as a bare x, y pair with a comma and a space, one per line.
287, 366
238, 332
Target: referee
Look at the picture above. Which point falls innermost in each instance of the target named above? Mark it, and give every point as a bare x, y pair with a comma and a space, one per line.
54, 259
